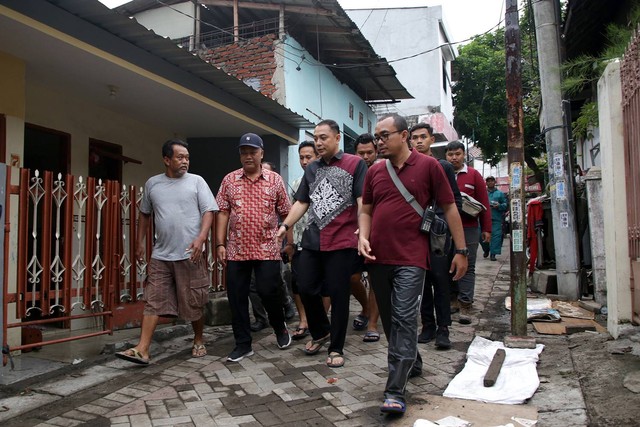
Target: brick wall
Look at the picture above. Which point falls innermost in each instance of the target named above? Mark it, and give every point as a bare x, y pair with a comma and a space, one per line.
252, 61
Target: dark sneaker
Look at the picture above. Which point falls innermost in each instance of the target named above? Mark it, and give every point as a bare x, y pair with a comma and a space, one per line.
493, 258
283, 338
257, 326
238, 354
465, 313
427, 335
485, 254
442, 338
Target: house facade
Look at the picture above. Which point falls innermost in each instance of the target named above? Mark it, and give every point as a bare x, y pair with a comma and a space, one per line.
415, 41
90, 96
308, 56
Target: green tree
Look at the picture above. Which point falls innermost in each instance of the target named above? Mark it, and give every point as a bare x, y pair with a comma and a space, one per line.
582, 72
480, 94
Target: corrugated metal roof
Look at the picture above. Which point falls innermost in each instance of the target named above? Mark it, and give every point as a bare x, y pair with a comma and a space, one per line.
129, 30
331, 38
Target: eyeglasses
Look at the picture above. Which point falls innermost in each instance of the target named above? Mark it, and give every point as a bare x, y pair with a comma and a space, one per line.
384, 136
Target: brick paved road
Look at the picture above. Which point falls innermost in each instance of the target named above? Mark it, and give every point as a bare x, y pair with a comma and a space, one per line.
273, 387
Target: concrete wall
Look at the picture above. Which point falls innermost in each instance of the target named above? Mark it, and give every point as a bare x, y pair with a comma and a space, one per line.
593, 181
396, 33
614, 199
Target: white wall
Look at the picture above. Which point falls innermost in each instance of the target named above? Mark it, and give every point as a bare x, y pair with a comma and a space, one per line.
83, 120
396, 33
584, 149
614, 199
168, 22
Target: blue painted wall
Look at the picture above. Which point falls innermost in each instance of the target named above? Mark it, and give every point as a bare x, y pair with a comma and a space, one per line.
315, 88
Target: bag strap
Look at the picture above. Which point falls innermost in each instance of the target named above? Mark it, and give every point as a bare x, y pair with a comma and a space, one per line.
403, 190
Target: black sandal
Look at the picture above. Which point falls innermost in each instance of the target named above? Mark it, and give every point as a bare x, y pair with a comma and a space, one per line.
316, 345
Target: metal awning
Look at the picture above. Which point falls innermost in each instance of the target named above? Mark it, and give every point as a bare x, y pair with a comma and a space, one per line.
80, 47
322, 27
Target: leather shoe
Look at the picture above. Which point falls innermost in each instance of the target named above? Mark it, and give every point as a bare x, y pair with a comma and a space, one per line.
427, 335
257, 326
442, 338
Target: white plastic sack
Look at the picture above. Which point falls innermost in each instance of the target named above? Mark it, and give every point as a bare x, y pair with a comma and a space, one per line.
518, 378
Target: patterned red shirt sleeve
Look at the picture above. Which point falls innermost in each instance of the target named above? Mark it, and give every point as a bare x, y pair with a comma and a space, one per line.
221, 198
283, 205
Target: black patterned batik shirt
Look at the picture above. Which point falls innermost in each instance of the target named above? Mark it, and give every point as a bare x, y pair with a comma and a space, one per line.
331, 189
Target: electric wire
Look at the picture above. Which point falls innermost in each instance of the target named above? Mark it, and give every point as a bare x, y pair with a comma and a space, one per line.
299, 59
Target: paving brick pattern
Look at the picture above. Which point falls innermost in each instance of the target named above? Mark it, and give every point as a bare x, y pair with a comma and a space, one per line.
275, 387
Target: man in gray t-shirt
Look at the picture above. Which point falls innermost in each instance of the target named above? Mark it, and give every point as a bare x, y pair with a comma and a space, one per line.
178, 281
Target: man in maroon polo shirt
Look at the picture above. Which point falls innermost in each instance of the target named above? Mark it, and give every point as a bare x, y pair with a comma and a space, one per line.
471, 182
331, 191
397, 251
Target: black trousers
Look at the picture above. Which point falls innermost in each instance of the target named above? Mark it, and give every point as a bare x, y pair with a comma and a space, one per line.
269, 287
437, 291
398, 290
326, 271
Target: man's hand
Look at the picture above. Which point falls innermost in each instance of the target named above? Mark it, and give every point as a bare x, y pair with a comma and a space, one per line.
280, 234
195, 250
459, 264
289, 250
140, 252
364, 249
486, 236
222, 254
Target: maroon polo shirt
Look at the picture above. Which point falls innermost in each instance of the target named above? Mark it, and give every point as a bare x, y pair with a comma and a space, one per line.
395, 236
471, 182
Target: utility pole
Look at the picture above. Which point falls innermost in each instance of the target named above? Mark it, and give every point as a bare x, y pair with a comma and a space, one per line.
546, 16
515, 154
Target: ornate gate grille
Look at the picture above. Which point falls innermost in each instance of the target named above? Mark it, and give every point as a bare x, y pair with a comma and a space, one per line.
76, 240
630, 75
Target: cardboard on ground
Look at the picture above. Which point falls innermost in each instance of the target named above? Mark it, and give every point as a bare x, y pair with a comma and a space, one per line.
560, 327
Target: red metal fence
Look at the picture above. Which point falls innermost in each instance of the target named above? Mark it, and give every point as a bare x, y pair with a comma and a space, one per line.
75, 253
630, 75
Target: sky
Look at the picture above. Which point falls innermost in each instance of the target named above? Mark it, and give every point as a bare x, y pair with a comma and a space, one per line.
463, 18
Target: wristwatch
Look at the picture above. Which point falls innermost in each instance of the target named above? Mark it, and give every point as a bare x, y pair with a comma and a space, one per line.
463, 251
286, 226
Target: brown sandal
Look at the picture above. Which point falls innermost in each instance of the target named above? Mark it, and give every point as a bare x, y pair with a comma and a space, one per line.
198, 350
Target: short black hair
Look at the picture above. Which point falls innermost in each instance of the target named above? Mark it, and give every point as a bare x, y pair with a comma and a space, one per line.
307, 144
421, 125
398, 121
331, 123
271, 165
365, 138
455, 145
167, 147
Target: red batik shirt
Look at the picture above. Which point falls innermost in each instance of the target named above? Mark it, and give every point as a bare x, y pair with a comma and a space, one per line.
254, 208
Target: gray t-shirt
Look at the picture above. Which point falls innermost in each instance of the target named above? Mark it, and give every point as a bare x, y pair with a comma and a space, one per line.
178, 205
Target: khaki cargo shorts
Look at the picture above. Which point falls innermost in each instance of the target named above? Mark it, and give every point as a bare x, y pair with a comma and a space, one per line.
176, 289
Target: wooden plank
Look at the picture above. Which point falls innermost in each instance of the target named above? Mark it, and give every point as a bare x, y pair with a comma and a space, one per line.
494, 368
561, 327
